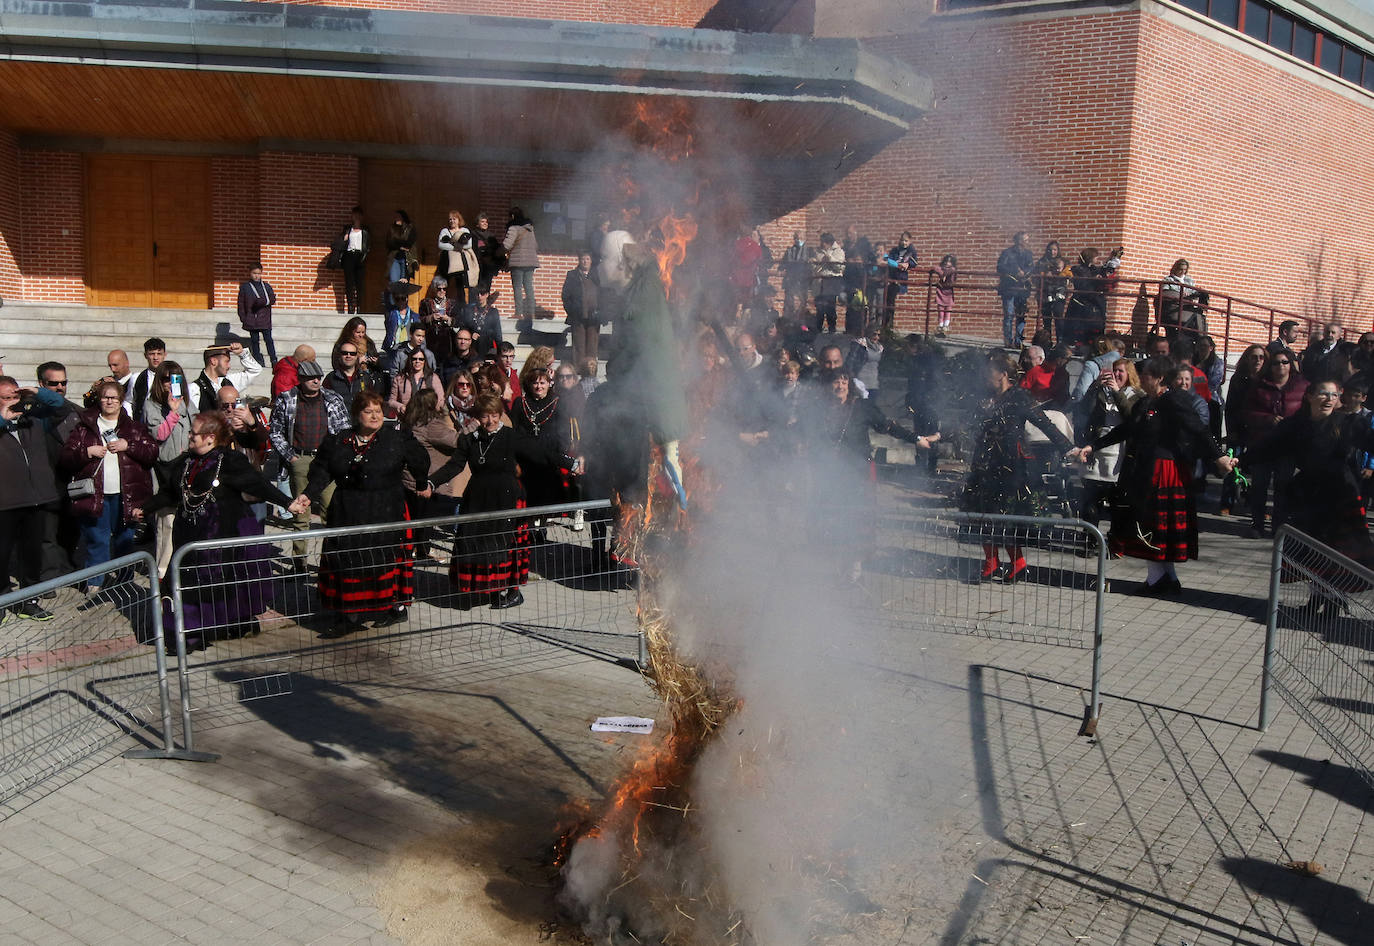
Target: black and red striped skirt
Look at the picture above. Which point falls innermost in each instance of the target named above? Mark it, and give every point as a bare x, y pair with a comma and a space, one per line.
1164, 528
492, 556
379, 576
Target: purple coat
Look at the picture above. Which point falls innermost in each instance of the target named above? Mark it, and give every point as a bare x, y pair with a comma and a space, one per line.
135, 464
1266, 404
255, 304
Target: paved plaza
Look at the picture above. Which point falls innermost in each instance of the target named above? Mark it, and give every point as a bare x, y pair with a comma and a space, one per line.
418, 805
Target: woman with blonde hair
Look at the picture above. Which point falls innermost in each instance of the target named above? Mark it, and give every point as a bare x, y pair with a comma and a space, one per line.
453, 240
1109, 400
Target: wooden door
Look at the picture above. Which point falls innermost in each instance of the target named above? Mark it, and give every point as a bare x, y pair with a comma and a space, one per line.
148, 231
119, 232
181, 233
425, 190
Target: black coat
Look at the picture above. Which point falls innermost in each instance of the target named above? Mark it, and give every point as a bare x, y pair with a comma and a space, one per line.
580, 298
998, 480
1164, 427
543, 421
494, 460
236, 477
367, 482
1324, 494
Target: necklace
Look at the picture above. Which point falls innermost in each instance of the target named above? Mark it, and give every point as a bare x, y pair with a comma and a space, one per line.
483, 451
193, 503
539, 417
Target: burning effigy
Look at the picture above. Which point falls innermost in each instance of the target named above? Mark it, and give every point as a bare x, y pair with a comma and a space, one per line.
706, 839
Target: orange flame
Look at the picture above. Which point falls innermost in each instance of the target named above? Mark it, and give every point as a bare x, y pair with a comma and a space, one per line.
657, 770
677, 233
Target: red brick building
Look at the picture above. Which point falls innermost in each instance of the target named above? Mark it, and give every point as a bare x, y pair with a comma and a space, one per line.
149, 151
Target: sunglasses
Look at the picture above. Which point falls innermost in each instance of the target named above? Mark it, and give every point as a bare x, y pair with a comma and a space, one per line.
55, 384
348, 354
462, 384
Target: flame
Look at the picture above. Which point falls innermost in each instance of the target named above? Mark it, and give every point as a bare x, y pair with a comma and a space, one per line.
657, 771
664, 127
677, 233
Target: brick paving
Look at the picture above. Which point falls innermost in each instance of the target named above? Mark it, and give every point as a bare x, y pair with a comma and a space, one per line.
1170, 827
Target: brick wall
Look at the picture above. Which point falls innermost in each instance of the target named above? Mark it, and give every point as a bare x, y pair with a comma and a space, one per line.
52, 251
1262, 183
234, 213
1133, 129
11, 283
1031, 132
646, 12
303, 203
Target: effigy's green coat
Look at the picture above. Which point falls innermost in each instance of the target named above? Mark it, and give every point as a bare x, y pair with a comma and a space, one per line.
649, 352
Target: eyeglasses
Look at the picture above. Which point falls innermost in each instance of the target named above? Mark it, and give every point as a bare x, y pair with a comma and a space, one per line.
567, 377
55, 384
462, 384
111, 397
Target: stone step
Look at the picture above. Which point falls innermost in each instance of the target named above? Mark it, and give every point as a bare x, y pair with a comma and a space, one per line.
80, 336
50, 321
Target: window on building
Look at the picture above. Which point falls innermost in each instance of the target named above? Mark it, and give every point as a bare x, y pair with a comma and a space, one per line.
1198, 6
1304, 42
1257, 20
1331, 55
1369, 73
1352, 65
1226, 11
1280, 30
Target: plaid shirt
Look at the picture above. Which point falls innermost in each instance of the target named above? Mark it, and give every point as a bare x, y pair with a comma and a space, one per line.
284, 419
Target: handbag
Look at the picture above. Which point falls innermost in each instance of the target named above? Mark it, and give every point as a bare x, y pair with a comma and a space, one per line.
80, 489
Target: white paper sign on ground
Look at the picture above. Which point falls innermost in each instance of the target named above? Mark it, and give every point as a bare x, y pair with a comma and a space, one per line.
637, 724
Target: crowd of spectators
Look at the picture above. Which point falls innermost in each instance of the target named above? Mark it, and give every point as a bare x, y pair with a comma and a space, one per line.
438, 418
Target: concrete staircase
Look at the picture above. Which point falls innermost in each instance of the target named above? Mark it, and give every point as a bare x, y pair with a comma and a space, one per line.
80, 336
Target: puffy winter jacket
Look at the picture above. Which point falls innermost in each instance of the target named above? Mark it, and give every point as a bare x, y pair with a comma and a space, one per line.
135, 464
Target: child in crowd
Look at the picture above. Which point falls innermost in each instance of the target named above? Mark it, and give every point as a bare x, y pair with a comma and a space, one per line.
1353, 397
945, 276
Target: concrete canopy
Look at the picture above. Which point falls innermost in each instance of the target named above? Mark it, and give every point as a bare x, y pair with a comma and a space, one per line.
244, 73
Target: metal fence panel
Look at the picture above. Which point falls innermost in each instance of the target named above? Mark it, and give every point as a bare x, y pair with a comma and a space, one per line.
93, 672
252, 627
1318, 644
925, 570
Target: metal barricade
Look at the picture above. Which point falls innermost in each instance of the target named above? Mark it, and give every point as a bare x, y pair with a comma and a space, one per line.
88, 671
253, 620
1318, 640
926, 570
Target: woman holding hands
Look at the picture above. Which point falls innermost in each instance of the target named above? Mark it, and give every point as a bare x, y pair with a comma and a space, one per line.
1154, 516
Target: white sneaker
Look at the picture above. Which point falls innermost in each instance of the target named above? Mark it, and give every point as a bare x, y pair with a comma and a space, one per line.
579, 520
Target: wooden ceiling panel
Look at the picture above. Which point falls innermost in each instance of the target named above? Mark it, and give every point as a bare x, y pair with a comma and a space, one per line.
171, 104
